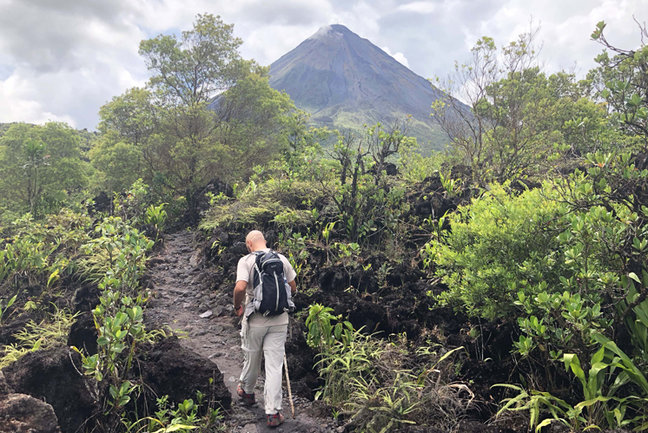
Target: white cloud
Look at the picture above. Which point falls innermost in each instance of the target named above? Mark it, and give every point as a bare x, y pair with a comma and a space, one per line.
421, 7
284, 38
22, 102
64, 59
400, 57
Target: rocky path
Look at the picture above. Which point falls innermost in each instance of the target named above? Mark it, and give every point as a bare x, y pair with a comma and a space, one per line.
184, 300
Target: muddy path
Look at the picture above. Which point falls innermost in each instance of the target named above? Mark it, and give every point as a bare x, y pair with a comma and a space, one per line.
185, 300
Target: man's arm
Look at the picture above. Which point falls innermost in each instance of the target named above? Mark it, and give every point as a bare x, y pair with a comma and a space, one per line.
293, 287
239, 296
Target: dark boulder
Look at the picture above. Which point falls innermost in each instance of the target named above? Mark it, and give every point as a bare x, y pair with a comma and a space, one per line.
334, 279
85, 298
429, 199
20, 413
370, 315
4, 386
83, 333
49, 375
173, 370
102, 203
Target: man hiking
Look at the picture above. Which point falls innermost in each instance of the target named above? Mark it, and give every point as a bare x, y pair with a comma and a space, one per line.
263, 329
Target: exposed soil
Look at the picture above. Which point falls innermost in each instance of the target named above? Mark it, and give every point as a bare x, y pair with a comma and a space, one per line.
186, 299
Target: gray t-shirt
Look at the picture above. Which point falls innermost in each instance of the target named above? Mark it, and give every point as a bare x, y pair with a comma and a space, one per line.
245, 272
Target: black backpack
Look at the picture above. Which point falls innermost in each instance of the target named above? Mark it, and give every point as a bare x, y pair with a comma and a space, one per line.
271, 292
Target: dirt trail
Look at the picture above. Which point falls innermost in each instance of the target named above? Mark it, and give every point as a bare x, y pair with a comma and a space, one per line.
185, 301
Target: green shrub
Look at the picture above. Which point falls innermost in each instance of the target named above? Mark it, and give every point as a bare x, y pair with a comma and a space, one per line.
37, 253
37, 336
182, 419
279, 201
155, 218
604, 400
116, 262
499, 245
600, 291
551, 258
379, 384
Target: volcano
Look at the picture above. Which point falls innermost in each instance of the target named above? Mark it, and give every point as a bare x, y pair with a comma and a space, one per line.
345, 81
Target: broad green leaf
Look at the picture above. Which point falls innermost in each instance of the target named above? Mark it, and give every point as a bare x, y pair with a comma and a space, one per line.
634, 276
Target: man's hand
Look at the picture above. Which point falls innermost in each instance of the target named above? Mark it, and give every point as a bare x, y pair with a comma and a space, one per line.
239, 297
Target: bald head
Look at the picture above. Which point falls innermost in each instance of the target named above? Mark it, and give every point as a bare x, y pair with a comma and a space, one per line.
255, 241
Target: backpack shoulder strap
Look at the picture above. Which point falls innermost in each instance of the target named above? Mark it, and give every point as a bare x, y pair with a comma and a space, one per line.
258, 256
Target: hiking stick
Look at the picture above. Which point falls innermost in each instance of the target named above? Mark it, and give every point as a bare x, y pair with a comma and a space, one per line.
292, 405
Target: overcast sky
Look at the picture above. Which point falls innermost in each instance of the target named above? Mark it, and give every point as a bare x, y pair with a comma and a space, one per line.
60, 60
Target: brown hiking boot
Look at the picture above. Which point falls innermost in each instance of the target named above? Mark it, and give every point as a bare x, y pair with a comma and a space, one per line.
246, 399
275, 420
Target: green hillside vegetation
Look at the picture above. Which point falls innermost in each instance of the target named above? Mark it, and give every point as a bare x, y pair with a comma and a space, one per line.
503, 279
4, 127
353, 122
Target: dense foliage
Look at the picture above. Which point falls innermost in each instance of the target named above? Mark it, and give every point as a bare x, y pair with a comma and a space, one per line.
40, 168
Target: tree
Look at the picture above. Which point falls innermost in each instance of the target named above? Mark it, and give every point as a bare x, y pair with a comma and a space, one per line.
539, 123
131, 116
118, 163
206, 114
521, 123
40, 166
254, 120
624, 81
469, 129
184, 153
189, 72
127, 124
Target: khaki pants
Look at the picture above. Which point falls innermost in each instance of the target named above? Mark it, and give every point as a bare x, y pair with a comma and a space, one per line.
268, 341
